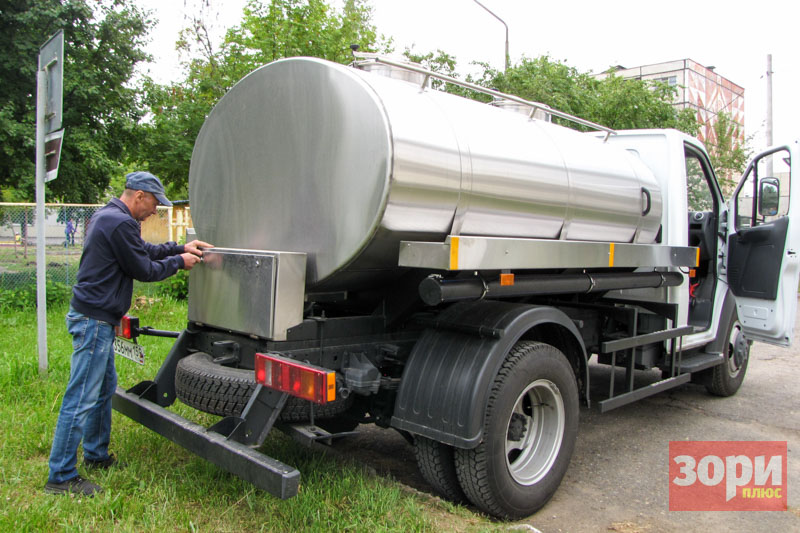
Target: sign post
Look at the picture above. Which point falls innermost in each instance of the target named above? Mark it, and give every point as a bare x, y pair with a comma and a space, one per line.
49, 102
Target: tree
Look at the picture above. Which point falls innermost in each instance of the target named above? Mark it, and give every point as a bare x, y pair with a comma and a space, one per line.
281, 28
632, 104
728, 155
614, 102
545, 81
103, 41
440, 62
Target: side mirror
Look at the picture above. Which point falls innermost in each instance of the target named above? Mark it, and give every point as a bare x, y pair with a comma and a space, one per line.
768, 196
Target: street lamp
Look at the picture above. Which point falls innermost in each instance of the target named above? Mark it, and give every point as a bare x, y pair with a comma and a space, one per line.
504, 24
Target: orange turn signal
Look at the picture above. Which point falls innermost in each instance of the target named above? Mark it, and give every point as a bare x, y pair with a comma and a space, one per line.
506, 280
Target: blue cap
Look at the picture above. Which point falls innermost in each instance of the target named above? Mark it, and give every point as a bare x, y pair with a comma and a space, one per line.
144, 181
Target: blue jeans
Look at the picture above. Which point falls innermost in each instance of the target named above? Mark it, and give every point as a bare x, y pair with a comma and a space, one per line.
86, 407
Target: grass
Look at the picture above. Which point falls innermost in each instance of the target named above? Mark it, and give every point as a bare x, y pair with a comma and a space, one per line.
164, 487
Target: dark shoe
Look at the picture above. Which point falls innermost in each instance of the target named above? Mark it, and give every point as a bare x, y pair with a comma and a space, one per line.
76, 485
109, 462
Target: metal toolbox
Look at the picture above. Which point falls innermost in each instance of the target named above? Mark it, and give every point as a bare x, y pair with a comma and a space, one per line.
256, 292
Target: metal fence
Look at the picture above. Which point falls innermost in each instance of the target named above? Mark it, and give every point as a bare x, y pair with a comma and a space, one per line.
65, 233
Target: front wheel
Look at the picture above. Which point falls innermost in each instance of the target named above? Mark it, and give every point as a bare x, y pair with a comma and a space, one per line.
529, 433
728, 377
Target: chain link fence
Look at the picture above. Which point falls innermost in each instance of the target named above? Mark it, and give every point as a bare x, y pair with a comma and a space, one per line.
65, 233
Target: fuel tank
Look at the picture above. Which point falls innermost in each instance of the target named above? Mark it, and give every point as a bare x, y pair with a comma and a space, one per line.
305, 155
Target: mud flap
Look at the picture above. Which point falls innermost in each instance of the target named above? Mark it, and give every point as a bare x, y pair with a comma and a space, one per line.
446, 382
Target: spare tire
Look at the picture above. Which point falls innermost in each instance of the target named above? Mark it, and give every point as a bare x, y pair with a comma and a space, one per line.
221, 390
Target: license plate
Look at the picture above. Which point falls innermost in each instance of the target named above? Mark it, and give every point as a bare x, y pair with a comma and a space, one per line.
129, 350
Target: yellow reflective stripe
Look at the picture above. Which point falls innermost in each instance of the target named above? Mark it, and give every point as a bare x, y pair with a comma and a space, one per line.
611, 254
453, 253
697, 259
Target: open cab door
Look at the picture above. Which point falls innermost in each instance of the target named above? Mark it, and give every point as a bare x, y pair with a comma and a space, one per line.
763, 243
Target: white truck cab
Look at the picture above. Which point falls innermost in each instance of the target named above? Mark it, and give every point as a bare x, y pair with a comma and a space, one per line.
747, 244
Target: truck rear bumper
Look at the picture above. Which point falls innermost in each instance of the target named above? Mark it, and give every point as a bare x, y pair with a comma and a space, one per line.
240, 460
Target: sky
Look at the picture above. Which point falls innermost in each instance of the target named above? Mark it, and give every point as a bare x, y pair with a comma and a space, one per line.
590, 35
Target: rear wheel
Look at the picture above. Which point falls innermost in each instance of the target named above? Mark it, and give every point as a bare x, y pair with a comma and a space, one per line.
529, 434
436, 463
728, 377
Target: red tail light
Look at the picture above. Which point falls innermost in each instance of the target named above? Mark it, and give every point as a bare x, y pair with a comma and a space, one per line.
298, 379
128, 327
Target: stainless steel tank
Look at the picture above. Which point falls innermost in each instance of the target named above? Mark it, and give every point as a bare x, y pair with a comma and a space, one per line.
305, 155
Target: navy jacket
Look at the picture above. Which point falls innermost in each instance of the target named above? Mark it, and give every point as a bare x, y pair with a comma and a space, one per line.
114, 254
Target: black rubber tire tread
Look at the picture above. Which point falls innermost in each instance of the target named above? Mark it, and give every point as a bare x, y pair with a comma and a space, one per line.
721, 383
482, 471
225, 391
436, 463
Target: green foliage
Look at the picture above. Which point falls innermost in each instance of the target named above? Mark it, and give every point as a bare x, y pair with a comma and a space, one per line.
24, 297
103, 41
613, 102
636, 104
268, 31
176, 286
728, 156
440, 62
546, 81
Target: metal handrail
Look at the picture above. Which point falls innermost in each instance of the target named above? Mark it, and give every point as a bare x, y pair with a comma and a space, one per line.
369, 57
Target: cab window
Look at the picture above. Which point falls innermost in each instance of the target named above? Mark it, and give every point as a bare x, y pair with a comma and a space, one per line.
698, 179
767, 181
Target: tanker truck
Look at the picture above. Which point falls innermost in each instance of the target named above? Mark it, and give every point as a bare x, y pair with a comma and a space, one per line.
390, 254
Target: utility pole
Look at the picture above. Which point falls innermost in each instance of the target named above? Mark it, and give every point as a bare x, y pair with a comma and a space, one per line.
504, 24
769, 112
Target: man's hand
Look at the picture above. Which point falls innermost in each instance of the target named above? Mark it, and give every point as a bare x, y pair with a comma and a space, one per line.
195, 246
190, 260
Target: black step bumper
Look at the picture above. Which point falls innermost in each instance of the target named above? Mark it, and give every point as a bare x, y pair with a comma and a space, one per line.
240, 460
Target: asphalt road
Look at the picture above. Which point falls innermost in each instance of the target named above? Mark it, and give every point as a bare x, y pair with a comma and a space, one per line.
618, 477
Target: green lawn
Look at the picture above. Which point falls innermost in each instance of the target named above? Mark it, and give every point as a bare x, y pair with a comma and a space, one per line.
164, 487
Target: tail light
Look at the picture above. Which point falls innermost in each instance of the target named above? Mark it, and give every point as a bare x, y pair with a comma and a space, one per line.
128, 327
298, 379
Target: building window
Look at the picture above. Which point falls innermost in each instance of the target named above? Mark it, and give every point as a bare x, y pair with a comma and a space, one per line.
669, 80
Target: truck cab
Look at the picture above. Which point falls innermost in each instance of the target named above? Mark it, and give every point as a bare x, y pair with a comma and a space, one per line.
757, 266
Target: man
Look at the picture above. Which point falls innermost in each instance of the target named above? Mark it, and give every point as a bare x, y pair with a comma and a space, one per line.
69, 233
114, 254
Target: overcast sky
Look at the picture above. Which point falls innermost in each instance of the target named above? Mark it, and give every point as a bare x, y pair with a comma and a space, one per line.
731, 35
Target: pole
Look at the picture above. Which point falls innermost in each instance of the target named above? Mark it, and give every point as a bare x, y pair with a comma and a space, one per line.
41, 271
504, 24
769, 113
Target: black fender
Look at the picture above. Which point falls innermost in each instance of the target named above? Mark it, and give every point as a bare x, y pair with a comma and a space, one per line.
446, 381
726, 316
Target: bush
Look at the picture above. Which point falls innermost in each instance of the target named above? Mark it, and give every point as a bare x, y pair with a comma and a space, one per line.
176, 286
25, 297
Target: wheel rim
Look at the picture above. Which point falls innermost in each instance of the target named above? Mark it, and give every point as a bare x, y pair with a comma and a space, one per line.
737, 350
534, 432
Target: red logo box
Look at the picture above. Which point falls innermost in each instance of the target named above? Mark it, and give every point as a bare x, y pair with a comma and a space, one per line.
727, 476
